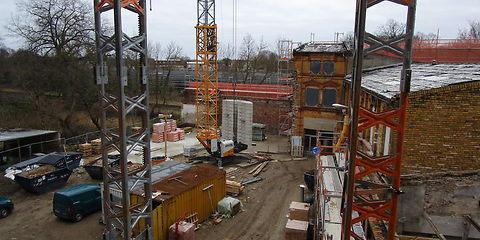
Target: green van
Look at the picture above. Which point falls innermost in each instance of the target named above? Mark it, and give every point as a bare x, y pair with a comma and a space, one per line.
75, 202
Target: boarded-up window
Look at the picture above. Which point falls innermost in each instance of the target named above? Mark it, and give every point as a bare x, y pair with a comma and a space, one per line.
328, 67
311, 97
315, 67
329, 97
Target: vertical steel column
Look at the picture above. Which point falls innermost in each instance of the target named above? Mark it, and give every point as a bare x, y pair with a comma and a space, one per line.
206, 72
285, 55
365, 198
132, 217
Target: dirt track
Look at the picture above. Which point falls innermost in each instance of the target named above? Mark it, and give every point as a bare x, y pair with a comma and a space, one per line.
265, 204
33, 218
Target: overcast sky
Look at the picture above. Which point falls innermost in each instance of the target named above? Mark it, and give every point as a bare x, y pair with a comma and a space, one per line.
280, 19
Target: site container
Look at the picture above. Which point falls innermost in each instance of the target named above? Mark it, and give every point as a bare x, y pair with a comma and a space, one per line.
195, 190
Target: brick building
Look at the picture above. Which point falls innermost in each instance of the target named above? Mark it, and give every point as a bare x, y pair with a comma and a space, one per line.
443, 115
321, 68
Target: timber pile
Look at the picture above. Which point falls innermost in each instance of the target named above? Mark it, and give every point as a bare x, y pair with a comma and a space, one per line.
255, 171
234, 187
86, 149
96, 146
261, 157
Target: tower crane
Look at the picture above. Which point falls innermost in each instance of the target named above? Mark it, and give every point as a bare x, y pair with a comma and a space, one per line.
207, 84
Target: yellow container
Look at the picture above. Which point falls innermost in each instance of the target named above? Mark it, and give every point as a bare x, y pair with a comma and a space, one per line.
187, 191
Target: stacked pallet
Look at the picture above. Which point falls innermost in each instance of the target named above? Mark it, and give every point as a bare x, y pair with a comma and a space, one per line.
159, 127
96, 146
173, 133
172, 137
86, 149
297, 223
234, 187
158, 137
295, 230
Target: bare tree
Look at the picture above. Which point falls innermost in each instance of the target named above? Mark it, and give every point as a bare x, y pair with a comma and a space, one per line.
471, 33
56, 68
391, 29
247, 53
54, 27
173, 54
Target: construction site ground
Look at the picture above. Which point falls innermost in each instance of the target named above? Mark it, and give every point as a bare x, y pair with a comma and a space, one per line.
265, 203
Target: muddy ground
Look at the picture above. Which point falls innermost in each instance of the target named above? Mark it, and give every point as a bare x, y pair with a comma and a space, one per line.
264, 217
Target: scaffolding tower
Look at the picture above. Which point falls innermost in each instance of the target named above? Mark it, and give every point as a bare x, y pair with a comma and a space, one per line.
373, 181
133, 220
285, 56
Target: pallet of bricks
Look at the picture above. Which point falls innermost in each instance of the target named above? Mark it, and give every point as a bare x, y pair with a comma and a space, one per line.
86, 149
297, 222
96, 146
174, 134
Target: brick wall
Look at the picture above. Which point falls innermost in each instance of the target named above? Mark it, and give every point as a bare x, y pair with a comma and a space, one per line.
265, 111
443, 130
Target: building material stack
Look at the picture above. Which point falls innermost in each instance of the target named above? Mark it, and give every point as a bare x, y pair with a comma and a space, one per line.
234, 188
96, 146
86, 149
158, 132
181, 231
174, 134
242, 111
297, 223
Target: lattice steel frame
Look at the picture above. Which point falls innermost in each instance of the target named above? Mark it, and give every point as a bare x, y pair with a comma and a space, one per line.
134, 220
359, 189
285, 55
206, 71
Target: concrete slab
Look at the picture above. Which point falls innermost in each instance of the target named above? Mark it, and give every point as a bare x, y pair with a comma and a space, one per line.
173, 148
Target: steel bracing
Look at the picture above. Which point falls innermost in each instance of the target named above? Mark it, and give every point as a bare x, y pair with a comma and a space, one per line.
206, 71
285, 56
364, 197
123, 218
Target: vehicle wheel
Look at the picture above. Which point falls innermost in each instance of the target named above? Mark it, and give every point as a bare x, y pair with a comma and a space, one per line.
4, 212
78, 216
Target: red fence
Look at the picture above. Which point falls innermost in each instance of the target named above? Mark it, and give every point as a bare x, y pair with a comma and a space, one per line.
444, 51
252, 90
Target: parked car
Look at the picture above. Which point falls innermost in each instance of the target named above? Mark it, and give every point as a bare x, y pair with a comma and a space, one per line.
75, 202
6, 206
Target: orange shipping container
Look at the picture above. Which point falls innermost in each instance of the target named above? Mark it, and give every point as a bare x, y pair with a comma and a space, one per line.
186, 191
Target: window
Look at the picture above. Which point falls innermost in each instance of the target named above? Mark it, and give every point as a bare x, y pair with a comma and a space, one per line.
328, 67
311, 97
329, 97
315, 67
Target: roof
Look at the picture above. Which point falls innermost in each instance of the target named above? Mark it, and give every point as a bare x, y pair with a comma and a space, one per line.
385, 81
187, 179
77, 189
19, 133
322, 47
168, 168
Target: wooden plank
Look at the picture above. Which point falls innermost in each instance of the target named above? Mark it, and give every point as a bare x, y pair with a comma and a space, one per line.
260, 169
255, 168
435, 229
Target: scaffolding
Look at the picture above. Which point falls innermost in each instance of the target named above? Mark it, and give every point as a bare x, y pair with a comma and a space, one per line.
133, 220
285, 56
